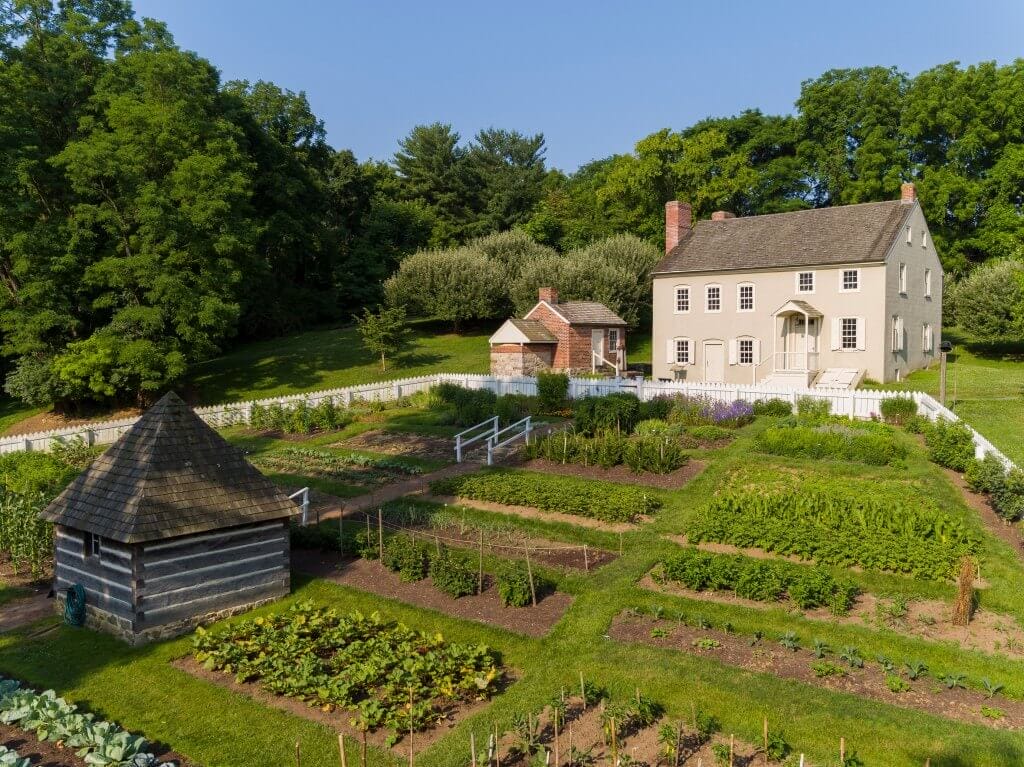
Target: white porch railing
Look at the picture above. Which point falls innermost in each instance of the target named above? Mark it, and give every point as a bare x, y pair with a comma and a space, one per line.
798, 361
303, 504
597, 361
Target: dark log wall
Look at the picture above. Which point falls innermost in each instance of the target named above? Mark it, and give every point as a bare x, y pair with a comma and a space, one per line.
200, 574
106, 577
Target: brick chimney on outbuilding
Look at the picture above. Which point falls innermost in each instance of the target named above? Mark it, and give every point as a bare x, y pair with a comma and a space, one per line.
678, 221
547, 294
721, 215
908, 192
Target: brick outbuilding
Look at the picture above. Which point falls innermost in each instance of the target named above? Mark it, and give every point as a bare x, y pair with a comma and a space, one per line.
574, 336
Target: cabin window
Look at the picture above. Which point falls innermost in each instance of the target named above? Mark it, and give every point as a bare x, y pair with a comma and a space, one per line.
927, 283
682, 299
926, 338
897, 334
745, 298
713, 298
91, 545
805, 282
850, 281
903, 278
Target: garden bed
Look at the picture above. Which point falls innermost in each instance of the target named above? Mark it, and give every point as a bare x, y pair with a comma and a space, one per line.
48, 754
401, 443
371, 576
924, 694
620, 474
529, 512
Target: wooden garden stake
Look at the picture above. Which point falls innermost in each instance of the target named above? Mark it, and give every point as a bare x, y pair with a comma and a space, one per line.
620, 544
341, 749
765, 740
480, 567
583, 692
298, 756
801, 760
411, 727
497, 754
437, 545
586, 560
679, 742
472, 750
380, 532
529, 573
556, 738
570, 744
964, 593
732, 749
842, 751
362, 748
341, 532
615, 743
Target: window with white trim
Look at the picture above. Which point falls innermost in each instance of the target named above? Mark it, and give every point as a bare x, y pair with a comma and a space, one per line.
682, 299
926, 338
713, 298
91, 545
683, 347
848, 333
613, 339
903, 278
745, 349
897, 333
745, 298
849, 281
924, 239
805, 282
910, 236
927, 283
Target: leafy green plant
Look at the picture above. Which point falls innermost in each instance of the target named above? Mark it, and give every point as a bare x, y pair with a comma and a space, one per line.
775, 408
452, 575
821, 649
896, 683
954, 681
552, 392
991, 688
813, 409
916, 669
721, 753
888, 666
897, 410
790, 641
838, 443
407, 557
706, 643
950, 444
659, 633
709, 434
777, 748
990, 712
852, 657
825, 668
513, 579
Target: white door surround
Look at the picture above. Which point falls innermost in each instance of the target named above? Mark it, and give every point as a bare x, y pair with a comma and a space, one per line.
714, 361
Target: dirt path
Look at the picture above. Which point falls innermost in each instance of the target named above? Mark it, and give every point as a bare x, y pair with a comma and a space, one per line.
485, 608
21, 612
995, 525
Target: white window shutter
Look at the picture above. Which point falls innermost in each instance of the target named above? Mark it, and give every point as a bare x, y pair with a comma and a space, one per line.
836, 330
732, 351
861, 336
757, 351
670, 351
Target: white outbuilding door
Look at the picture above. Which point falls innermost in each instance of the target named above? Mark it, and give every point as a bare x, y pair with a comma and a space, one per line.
714, 361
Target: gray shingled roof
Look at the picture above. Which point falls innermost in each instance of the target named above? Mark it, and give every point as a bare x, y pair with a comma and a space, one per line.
535, 331
169, 475
844, 234
588, 313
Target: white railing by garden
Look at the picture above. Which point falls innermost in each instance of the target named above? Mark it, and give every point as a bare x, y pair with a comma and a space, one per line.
857, 403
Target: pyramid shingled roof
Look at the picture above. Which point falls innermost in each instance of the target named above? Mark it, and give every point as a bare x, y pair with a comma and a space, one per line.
169, 475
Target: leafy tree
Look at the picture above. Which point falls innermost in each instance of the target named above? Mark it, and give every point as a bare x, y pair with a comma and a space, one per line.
989, 302
383, 331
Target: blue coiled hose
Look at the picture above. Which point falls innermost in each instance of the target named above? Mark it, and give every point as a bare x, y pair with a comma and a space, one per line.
74, 606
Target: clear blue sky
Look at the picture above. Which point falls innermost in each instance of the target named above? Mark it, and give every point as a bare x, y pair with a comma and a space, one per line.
594, 77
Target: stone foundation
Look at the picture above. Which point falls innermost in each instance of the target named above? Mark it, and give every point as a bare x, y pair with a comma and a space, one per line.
512, 360
101, 620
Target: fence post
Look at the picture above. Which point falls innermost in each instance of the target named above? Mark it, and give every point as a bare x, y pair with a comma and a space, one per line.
458, 449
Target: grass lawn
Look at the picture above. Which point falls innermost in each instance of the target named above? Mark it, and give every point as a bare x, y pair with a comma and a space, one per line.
140, 689
325, 359
984, 386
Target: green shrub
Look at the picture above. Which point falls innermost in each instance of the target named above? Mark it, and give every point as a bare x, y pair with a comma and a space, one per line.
511, 408
653, 427
950, 444
709, 433
987, 475
657, 408
1008, 500
813, 409
513, 580
587, 498
299, 418
762, 581
452, 575
773, 407
836, 442
659, 455
367, 545
31, 473
618, 412
898, 410
552, 392
407, 557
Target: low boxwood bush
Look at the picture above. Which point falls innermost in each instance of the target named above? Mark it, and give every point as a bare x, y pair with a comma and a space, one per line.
407, 557
898, 410
760, 580
832, 441
1008, 500
452, 575
586, 498
950, 444
774, 407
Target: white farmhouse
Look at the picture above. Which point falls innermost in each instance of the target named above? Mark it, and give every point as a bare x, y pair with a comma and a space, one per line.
826, 296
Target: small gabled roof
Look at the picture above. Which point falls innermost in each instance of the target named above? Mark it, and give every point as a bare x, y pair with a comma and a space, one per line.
170, 474
846, 234
582, 313
516, 331
795, 306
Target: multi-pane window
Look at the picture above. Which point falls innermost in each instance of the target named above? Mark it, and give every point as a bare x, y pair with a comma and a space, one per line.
903, 278
713, 298
926, 338
682, 351
805, 282
897, 334
746, 298
746, 351
848, 333
927, 283
613, 339
851, 279
682, 299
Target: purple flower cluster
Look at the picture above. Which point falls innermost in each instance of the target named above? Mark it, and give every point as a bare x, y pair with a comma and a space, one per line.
699, 411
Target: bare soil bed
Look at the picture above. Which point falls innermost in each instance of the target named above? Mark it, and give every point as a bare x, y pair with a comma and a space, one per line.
620, 474
49, 754
487, 608
583, 732
402, 443
925, 694
529, 512
924, 618
336, 719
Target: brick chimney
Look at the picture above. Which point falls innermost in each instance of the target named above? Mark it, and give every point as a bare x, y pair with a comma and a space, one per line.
678, 221
721, 215
908, 193
547, 294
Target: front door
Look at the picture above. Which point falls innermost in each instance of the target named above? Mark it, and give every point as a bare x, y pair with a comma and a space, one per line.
597, 342
714, 361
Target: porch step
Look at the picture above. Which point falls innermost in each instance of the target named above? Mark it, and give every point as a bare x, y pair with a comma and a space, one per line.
839, 378
790, 379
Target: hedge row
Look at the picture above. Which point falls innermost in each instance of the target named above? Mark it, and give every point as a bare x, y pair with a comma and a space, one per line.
585, 498
761, 580
833, 441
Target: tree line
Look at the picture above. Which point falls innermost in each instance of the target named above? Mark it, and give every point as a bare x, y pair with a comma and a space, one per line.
152, 215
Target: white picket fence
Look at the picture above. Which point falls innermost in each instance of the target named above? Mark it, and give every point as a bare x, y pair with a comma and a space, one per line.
858, 403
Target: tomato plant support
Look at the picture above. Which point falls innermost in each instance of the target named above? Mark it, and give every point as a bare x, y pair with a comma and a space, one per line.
380, 532
529, 574
341, 749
